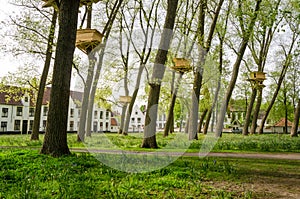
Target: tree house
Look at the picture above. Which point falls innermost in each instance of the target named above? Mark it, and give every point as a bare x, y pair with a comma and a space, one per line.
53, 3
50, 3
257, 76
88, 39
181, 65
125, 99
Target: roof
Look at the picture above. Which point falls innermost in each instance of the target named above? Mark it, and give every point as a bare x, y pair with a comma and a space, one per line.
281, 123
12, 95
46, 97
113, 122
77, 97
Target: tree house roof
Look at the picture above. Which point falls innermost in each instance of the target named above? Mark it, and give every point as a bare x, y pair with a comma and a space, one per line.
257, 76
181, 65
125, 99
88, 39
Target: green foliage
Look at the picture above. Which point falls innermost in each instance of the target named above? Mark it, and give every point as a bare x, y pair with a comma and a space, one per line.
28, 174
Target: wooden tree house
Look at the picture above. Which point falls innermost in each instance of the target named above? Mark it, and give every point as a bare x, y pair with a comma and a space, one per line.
258, 78
181, 65
88, 39
53, 3
125, 99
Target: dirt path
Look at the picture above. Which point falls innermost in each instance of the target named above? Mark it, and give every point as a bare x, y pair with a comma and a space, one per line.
286, 156
283, 156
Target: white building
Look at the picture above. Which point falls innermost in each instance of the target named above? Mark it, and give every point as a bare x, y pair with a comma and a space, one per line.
17, 113
137, 120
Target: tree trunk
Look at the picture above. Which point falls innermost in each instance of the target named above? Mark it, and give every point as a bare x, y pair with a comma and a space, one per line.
235, 71
123, 114
201, 120
85, 99
249, 111
256, 111
133, 98
55, 141
198, 72
294, 130
91, 98
149, 140
170, 117
285, 111
42, 85
282, 75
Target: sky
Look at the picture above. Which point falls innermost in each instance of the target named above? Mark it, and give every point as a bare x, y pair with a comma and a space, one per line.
7, 62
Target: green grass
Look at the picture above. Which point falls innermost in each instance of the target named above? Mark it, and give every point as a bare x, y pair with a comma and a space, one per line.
27, 174
175, 142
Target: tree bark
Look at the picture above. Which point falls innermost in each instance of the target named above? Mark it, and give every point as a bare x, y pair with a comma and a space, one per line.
170, 117
249, 111
294, 130
85, 99
55, 141
42, 85
256, 111
201, 120
149, 140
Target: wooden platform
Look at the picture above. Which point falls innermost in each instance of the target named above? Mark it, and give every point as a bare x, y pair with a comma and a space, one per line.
52, 3
88, 39
181, 65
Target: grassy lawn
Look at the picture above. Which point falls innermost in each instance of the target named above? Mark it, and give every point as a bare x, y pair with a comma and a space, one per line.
175, 142
28, 174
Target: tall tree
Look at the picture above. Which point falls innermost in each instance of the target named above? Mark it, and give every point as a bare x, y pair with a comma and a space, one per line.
148, 24
149, 140
106, 32
259, 46
55, 141
246, 31
205, 46
288, 55
43, 80
221, 32
292, 18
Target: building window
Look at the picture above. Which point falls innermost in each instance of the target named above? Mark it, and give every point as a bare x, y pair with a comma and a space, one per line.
136, 113
44, 124
19, 111
4, 112
45, 111
17, 125
79, 113
132, 119
72, 113
101, 114
107, 115
71, 125
139, 120
3, 126
95, 114
31, 112
26, 99
30, 125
